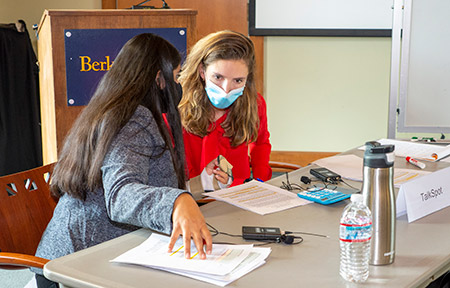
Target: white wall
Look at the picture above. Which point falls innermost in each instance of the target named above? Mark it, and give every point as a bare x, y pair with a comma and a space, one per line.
326, 93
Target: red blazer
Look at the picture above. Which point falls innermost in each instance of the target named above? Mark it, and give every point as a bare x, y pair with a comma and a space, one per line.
202, 150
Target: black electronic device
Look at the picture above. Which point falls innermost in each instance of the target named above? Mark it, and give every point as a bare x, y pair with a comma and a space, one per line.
305, 179
261, 233
325, 175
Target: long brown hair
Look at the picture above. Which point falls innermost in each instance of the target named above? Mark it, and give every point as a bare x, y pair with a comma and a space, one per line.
197, 112
130, 82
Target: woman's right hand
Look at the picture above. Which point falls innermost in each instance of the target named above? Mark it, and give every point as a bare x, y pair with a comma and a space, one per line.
188, 221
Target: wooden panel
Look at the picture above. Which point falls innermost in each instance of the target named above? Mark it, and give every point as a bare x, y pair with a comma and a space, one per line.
109, 4
57, 116
302, 158
46, 84
259, 54
212, 16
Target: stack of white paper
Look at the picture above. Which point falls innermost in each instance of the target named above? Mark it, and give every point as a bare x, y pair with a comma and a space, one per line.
226, 263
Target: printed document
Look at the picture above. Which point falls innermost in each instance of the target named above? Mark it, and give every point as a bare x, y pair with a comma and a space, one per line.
225, 264
258, 197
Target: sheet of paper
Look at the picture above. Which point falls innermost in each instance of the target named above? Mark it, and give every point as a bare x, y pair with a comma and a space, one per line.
258, 197
417, 150
351, 167
348, 166
153, 253
402, 176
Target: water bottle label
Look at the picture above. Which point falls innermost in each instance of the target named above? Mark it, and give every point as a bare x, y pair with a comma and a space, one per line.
355, 232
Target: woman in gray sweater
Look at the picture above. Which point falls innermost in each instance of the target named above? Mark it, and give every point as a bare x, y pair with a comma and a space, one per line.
122, 166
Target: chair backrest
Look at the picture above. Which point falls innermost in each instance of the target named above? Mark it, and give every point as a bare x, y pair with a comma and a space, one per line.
26, 207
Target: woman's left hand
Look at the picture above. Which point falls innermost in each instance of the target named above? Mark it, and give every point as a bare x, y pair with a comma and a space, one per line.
221, 176
189, 222
218, 174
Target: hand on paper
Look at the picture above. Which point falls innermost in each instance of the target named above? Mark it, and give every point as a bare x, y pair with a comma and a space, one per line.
220, 175
188, 221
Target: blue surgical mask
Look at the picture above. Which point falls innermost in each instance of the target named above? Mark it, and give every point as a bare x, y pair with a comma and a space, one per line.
219, 98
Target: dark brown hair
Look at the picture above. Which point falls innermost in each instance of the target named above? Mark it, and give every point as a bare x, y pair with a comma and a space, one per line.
130, 82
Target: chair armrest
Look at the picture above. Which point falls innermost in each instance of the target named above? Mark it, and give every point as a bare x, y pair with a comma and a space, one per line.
205, 201
14, 261
284, 165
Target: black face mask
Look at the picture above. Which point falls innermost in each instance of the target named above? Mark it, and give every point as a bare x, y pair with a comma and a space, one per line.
179, 95
176, 98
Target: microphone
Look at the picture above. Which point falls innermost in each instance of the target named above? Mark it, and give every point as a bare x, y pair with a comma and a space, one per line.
305, 179
286, 239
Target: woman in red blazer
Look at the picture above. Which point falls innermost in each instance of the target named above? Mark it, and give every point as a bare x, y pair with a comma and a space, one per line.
221, 111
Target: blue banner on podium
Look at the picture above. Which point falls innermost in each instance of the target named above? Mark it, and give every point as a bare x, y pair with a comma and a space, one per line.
91, 52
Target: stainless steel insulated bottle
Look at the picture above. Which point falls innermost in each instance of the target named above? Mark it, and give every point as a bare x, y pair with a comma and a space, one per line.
378, 194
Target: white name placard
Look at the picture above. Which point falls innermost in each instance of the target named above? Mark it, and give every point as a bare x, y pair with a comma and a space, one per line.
425, 195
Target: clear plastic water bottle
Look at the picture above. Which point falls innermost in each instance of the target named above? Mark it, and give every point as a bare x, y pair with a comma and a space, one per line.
355, 234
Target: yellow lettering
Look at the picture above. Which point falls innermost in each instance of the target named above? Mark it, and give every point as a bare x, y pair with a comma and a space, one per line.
85, 62
103, 66
109, 62
95, 65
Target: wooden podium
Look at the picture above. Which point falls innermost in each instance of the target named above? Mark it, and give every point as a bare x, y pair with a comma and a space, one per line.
56, 115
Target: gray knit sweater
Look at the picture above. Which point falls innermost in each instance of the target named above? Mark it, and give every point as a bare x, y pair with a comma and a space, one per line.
137, 192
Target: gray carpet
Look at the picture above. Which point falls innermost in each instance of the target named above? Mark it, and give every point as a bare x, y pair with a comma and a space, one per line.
15, 278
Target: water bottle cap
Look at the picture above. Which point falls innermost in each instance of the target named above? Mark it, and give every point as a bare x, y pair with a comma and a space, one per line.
379, 156
357, 198
376, 148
